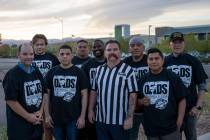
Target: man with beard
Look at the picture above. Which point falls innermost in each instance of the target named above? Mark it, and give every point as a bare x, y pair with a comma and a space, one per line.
81, 53
138, 61
89, 132
115, 89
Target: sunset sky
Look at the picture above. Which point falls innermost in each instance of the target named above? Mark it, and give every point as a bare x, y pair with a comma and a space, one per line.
21, 19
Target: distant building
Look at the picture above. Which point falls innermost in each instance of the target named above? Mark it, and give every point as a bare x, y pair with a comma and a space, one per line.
201, 31
122, 31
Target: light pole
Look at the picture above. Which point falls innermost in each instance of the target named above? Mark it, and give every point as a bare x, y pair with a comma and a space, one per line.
60, 19
149, 34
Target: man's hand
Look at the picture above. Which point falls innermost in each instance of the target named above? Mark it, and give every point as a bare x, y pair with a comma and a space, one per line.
128, 123
39, 114
32, 118
91, 116
146, 101
80, 122
48, 121
195, 112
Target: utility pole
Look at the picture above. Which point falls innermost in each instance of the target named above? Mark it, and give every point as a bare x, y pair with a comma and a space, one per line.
149, 35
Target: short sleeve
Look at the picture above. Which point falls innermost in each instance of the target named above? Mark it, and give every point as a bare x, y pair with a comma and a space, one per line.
55, 61
140, 87
179, 89
10, 86
83, 80
44, 88
48, 80
86, 71
198, 72
94, 84
132, 82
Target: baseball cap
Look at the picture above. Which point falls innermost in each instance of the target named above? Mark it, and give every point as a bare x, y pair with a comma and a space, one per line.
177, 36
135, 40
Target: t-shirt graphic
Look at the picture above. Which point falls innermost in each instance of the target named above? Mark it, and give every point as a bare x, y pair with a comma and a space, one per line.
43, 65
184, 71
65, 87
140, 71
33, 92
158, 93
92, 74
78, 65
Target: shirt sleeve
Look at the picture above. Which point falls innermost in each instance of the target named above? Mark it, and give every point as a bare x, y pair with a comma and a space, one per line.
94, 83
48, 80
44, 88
10, 86
86, 71
132, 82
179, 89
199, 73
55, 61
83, 80
140, 87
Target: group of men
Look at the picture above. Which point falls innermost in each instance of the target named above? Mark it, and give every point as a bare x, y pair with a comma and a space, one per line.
104, 97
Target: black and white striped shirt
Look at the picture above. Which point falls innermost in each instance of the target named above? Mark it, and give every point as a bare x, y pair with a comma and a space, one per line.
112, 87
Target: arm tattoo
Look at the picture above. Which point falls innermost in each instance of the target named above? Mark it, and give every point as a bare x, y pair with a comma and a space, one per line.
132, 104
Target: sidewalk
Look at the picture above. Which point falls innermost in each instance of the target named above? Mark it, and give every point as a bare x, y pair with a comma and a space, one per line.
204, 137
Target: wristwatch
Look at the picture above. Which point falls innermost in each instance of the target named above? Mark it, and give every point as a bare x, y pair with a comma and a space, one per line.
198, 107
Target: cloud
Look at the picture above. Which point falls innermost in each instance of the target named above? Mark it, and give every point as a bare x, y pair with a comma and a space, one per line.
95, 15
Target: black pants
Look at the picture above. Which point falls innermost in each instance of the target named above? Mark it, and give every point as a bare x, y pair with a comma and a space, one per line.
88, 133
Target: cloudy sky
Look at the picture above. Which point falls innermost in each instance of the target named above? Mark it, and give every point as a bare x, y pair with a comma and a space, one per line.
21, 19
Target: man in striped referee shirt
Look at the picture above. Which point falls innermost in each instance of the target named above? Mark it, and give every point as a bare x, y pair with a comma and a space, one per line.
114, 94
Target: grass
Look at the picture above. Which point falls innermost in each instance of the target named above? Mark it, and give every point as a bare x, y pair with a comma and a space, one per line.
3, 134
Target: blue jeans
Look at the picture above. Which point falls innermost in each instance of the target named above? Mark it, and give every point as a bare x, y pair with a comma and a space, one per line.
111, 132
134, 131
70, 129
189, 127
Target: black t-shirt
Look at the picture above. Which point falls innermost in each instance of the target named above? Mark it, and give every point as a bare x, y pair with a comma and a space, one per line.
27, 89
78, 61
190, 71
165, 90
45, 62
140, 68
65, 91
90, 67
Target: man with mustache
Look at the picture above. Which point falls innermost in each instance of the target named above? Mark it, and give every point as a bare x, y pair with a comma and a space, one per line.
115, 89
90, 70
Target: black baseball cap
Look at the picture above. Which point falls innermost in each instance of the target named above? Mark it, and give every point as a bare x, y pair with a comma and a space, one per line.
176, 36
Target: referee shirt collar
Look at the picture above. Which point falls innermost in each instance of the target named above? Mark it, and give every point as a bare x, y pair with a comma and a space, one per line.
117, 66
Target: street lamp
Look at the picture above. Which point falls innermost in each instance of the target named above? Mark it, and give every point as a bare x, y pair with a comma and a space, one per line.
60, 19
149, 34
